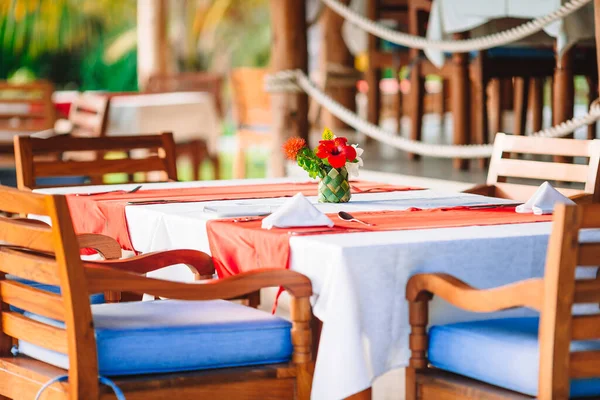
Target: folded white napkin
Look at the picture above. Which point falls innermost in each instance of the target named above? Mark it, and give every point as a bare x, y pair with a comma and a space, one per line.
296, 212
543, 201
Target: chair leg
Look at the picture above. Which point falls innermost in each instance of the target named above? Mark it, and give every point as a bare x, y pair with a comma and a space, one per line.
418, 319
564, 95
196, 158
537, 103
417, 101
520, 104
366, 394
592, 95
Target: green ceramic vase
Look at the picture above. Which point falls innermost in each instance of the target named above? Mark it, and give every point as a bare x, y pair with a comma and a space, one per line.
334, 187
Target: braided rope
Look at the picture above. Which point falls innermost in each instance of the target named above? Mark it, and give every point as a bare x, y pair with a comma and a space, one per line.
298, 82
454, 46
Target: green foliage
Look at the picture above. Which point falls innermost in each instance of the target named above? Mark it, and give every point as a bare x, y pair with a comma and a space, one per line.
312, 164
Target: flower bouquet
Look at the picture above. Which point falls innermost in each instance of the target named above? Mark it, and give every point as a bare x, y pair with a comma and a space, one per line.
333, 161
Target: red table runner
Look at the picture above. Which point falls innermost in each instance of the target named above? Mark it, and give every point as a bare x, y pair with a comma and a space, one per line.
240, 247
105, 213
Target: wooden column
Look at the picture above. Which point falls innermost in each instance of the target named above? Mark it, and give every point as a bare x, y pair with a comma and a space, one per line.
288, 51
564, 93
153, 51
335, 51
597, 23
373, 74
460, 101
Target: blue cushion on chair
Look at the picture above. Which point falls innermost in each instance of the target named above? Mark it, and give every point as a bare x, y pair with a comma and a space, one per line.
97, 298
171, 336
501, 352
8, 177
521, 52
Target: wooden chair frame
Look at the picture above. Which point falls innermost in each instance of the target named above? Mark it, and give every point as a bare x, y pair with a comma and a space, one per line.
501, 168
553, 296
29, 167
50, 255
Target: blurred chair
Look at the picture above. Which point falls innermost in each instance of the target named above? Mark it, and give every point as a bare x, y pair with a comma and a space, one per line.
24, 109
33, 163
502, 168
252, 107
89, 115
192, 346
207, 82
550, 357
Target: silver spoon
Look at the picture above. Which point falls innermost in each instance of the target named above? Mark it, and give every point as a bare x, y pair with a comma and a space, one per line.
135, 189
348, 217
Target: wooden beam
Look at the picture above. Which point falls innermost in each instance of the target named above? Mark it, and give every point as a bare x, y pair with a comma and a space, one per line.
153, 50
597, 23
334, 51
288, 51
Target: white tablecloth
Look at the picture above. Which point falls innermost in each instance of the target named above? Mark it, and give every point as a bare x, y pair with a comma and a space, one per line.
359, 279
189, 115
452, 16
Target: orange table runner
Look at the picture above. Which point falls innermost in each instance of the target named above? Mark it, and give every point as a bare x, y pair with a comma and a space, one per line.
105, 213
240, 247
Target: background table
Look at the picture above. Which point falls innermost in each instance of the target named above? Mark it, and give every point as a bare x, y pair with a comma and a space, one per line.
359, 278
480, 17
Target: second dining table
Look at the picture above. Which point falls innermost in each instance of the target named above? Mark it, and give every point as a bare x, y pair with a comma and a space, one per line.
358, 277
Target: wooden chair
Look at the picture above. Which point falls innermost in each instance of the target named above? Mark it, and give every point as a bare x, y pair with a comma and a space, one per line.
208, 82
89, 115
442, 366
253, 114
184, 358
25, 108
32, 164
502, 168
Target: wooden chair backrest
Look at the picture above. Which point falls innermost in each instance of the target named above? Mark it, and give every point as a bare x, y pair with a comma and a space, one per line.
251, 102
32, 156
502, 168
561, 290
89, 115
49, 255
190, 82
24, 108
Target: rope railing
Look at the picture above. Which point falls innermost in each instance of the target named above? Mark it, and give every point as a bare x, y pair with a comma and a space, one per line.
297, 81
454, 46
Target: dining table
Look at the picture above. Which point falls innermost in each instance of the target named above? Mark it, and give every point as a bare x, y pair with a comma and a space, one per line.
359, 275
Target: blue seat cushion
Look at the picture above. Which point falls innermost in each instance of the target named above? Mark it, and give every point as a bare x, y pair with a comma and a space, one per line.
97, 298
8, 177
501, 352
171, 336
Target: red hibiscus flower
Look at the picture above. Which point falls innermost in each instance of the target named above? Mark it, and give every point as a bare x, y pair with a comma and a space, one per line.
336, 151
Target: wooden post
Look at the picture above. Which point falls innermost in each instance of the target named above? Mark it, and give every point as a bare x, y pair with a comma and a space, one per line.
597, 23
564, 94
460, 101
288, 51
152, 53
335, 51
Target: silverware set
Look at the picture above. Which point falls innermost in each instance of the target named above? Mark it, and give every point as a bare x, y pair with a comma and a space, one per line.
135, 189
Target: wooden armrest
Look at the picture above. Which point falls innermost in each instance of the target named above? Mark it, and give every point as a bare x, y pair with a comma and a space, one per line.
102, 279
583, 198
528, 293
484, 190
199, 263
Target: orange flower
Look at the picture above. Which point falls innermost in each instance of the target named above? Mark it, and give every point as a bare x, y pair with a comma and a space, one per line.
293, 146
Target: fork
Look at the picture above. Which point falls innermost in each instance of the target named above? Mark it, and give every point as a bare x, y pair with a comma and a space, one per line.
135, 189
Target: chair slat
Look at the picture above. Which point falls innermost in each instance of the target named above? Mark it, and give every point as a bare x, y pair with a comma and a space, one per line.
29, 266
20, 233
587, 291
20, 327
542, 170
100, 167
586, 327
531, 145
36, 301
584, 364
109, 143
18, 202
589, 254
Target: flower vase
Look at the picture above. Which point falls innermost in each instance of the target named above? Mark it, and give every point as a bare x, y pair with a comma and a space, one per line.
334, 187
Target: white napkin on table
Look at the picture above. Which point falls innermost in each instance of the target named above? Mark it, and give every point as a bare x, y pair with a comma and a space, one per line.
296, 212
543, 201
